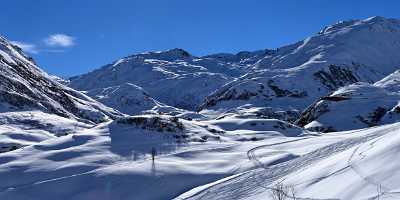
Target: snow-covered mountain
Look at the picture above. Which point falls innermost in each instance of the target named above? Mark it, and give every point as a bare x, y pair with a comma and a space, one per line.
287, 79
173, 77
23, 86
294, 76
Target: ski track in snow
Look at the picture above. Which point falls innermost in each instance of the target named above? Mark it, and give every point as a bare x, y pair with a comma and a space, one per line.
252, 156
384, 190
258, 180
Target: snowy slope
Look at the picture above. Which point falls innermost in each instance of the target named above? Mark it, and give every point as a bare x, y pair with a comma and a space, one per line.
25, 128
128, 97
349, 166
23, 86
112, 160
296, 75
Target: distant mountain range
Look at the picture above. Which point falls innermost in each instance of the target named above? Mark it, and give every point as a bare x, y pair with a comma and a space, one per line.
284, 80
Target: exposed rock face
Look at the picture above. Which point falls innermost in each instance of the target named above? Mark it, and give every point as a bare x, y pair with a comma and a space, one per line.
336, 77
23, 86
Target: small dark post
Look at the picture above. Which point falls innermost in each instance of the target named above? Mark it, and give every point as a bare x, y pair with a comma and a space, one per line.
153, 153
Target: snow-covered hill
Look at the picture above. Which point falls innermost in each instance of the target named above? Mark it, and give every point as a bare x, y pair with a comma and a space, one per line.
23, 86
25, 128
113, 160
228, 159
355, 106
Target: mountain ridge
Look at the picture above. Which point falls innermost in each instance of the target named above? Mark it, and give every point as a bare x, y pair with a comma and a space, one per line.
24, 85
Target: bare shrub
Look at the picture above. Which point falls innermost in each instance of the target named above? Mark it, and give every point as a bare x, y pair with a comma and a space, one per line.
279, 191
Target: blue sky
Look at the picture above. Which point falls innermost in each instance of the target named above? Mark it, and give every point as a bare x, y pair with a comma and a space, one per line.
70, 37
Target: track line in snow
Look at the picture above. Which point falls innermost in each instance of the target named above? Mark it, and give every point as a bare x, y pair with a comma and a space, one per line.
248, 184
370, 180
251, 153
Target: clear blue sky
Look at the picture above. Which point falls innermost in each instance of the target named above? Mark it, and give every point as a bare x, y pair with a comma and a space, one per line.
69, 37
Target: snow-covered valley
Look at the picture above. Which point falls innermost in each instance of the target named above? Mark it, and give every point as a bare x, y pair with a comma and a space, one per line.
318, 119
113, 161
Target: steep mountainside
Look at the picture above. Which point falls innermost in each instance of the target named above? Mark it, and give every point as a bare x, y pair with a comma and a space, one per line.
23, 86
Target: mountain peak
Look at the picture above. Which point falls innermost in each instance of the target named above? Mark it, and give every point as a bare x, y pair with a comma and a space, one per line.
371, 21
168, 55
178, 51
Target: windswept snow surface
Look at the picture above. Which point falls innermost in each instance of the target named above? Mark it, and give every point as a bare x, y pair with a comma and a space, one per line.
112, 161
20, 129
